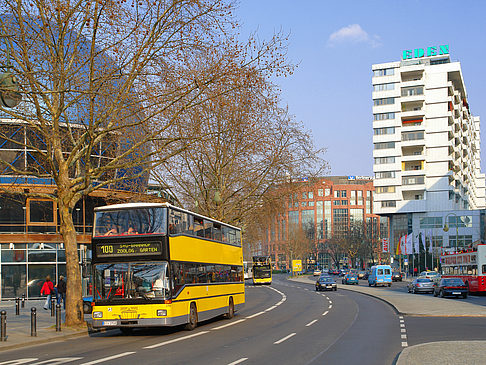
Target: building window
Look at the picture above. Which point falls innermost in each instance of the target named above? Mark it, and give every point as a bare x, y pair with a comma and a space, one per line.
304, 195
431, 222
320, 192
310, 194
41, 212
343, 193
384, 87
294, 217
344, 202
337, 193
336, 202
352, 200
412, 136
311, 204
384, 72
384, 160
382, 131
303, 204
411, 91
385, 175
413, 180
360, 197
384, 101
340, 222
384, 189
327, 192
383, 116
384, 145
388, 204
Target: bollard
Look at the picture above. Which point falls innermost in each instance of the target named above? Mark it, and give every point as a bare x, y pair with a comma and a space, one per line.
53, 306
23, 300
17, 306
58, 318
3, 326
33, 322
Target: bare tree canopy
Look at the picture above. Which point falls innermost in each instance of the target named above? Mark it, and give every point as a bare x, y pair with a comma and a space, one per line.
106, 83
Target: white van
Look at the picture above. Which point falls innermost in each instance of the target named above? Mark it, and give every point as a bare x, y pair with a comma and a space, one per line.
380, 275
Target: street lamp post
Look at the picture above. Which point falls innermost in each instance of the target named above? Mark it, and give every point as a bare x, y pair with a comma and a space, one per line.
446, 228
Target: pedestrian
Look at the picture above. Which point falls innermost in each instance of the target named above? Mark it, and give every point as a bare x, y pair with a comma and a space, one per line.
47, 289
61, 291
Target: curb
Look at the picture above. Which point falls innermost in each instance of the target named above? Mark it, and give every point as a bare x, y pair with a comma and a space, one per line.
41, 341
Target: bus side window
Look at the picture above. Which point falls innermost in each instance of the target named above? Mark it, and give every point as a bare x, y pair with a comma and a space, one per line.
217, 232
189, 224
198, 227
225, 234
208, 229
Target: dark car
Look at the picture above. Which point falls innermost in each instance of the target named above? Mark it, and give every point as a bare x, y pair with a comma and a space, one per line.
350, 279
397, 276
334, 271
421, 285
326, 283
451, 287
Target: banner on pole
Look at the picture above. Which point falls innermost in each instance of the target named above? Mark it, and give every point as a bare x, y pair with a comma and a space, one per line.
384, 243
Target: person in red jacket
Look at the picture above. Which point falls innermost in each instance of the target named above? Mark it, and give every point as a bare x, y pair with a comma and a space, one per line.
47, 289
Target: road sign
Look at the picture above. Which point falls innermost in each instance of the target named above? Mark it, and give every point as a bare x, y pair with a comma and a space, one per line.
384, 242
296, 266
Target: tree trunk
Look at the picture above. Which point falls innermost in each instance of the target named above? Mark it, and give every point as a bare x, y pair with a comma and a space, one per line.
74, 302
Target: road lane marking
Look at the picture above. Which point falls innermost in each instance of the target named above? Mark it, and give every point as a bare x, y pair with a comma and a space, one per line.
255, 315
109, 358
330, 306
284, 339
271, 308
330, 302
238, 361
404, 337
404, 344
326, 312
403, 330
175, 340
402, 321
228, 324
402, 325
311, 323
401, 317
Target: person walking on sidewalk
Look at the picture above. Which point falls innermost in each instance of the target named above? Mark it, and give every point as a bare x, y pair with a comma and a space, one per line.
47, 289
61, 291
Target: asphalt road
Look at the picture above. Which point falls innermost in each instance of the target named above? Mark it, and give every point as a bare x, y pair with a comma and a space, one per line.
286, 323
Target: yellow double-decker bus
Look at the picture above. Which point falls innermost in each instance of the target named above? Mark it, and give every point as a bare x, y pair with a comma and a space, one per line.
262, 270
159, 265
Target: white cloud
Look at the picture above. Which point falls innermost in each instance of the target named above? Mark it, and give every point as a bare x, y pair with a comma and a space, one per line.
353, 34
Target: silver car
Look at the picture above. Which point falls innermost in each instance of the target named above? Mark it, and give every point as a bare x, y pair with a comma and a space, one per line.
421, 285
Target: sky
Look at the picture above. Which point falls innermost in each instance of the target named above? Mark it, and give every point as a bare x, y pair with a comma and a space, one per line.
335, 43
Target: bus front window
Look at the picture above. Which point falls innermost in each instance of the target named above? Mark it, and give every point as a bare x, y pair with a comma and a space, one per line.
130, 222
132, 281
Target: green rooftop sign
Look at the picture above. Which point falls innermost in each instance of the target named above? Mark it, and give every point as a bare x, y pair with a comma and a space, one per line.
408, 54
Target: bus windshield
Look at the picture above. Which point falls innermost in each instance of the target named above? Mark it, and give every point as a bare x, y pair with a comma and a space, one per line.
261, 272
130, 222
131, 281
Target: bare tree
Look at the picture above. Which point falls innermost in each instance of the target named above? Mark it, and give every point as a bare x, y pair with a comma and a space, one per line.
104, 84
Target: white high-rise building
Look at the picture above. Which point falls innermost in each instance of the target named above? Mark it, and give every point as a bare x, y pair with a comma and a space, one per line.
426, 148
426, 141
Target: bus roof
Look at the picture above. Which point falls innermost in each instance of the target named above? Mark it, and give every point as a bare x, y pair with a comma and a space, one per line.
155, 205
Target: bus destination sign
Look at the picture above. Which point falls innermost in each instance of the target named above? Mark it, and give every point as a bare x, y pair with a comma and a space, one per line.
128, 249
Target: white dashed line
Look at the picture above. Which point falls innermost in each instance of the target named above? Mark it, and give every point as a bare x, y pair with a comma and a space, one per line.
330, 302
175, 340
284, 339
403, 330
404, 337
238, 361
229, 324
326, 312
330, 306
108, 358
404, 344
400, 317
311, 323
402, 325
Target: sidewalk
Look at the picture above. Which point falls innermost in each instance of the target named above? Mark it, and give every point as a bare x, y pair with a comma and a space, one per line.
445, 352
18, 327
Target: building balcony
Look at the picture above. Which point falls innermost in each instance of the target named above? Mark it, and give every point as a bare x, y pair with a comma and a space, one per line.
413, 114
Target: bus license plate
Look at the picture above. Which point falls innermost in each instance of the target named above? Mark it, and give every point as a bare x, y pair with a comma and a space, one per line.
456, 293
109, 323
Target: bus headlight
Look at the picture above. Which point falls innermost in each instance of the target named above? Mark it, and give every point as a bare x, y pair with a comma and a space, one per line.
97, 314
161, 312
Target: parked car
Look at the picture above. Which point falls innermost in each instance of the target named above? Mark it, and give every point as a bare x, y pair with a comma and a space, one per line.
421, 285
334, 271
350, 279
363, 275
451, 287
397, 276
317, 272
326, 283
380, 275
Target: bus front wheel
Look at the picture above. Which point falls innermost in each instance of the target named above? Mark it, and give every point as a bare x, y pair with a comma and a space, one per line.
192, 318
231, 309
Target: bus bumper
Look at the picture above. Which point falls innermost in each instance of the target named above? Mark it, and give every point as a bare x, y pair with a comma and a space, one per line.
145, 322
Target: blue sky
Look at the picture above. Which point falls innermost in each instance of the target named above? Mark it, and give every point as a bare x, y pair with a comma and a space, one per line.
335, 43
